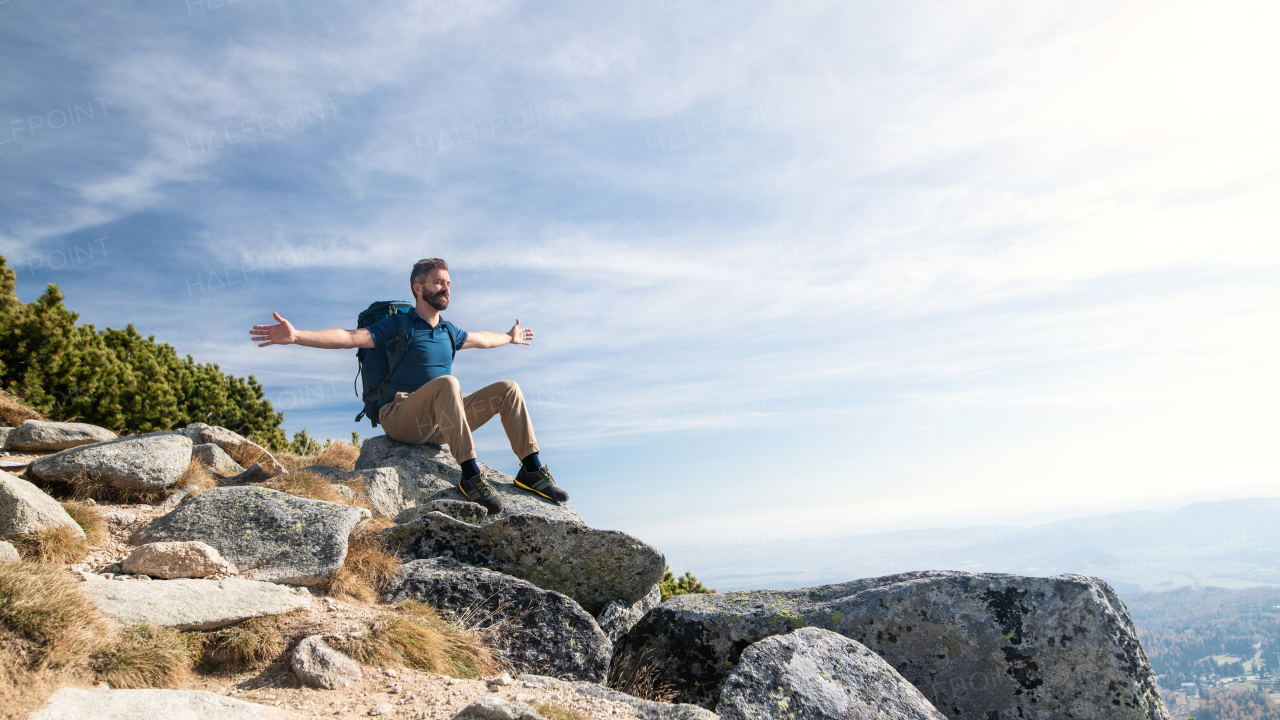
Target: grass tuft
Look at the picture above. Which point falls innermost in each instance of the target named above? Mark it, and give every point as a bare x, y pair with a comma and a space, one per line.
638, 675
338, 454
556, 712
416, 636
252, 642
90, 519
59, 545
13, 411
195, 476
147, 656
46, 607
369, 568
306, 485
86, 486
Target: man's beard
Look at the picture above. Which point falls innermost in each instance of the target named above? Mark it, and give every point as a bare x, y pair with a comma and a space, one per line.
438, 301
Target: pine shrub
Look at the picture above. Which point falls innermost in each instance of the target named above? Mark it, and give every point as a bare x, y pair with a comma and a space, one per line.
686, 584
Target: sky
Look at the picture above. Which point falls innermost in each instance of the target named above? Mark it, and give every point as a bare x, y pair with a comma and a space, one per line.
795, 270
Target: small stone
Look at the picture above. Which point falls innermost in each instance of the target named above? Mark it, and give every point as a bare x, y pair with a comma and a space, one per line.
395, 690
145, 577
8, 553
390, 673
382, 709
317, 663
168, 560
500, 679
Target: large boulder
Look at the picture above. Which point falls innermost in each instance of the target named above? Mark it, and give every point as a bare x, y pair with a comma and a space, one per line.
815, 674
71, 703
594, 567
6, 433
194, 604
269, 535
215, 460
535, 630
976, 645
645, 709
434, 471
619, 616
242, 449
388, 491
40, 436
153, 461
170, 560
25, 508
318, 664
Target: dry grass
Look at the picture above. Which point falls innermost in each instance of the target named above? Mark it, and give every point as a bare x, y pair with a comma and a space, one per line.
248, 453
59, 545
306, 485
416, 636
46, 608
90, 519
338, 454
369, 567
555, 712
13, 411
252, 642
195, 476
638, 675
147, 656
86, 486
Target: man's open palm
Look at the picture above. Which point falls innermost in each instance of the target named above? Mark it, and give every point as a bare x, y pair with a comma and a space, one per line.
281, 334
519, 335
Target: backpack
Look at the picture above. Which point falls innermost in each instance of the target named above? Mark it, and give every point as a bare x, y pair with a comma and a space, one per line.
377, 368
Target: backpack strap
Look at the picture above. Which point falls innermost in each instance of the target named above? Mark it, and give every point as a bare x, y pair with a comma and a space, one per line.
402, 345
378, 393
453, 340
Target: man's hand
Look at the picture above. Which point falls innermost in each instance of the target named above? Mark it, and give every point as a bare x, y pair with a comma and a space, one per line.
281, 334
519, 335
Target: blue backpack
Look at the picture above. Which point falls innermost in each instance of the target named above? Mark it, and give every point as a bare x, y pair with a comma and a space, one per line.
377, 368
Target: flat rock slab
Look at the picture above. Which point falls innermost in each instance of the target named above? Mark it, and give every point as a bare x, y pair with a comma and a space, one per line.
434, 471
25, 508
976, 645
37, 435
318, 664
269, 535
194, 604
495, 708
94, 704
536, 630
646, 709
170, 560
153, 461
815, 674
234, 444
594, 567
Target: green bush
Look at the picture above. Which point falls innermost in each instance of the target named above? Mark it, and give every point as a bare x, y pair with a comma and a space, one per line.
687, 584
304, 444
117, 378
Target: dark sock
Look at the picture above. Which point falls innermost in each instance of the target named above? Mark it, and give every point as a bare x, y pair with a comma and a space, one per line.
470, 469
531, 463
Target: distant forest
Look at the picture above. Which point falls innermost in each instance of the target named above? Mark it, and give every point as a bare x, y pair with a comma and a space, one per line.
1182, 629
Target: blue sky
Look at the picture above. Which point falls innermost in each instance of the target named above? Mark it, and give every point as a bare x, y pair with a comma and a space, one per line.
795, 271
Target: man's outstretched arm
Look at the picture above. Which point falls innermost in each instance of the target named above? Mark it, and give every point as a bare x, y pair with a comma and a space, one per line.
481, 339
283, 333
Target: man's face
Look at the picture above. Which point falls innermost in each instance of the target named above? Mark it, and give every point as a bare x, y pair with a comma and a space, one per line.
435, 289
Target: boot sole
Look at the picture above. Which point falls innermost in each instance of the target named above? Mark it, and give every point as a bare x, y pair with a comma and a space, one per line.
539, 493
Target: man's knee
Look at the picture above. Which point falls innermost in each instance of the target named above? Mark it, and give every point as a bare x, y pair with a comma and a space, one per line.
449, 384
508, 387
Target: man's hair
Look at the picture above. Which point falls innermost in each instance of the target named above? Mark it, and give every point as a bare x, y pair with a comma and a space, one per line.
425, 266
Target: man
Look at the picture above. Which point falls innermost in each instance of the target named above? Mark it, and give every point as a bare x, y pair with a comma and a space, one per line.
428, 406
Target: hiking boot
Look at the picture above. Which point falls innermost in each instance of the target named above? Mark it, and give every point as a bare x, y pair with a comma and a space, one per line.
541, 483
482, 493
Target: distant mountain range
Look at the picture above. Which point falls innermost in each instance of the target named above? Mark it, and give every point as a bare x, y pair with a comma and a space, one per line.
1228, 544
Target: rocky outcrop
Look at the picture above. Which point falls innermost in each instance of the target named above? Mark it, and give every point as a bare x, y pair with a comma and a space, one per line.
646, 709
389, 493
215, 460
594, 567
434, 471
976, 645
94, 704
254, 474
536, 630
620, 616
240, 448
40, 436
169, 560
462, 510
8, 553
318, 664
816, 674
495, 708
153, 461
194, 604
25, 508
269, 535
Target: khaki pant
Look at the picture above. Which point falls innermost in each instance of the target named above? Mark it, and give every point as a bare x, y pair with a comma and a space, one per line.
437, 413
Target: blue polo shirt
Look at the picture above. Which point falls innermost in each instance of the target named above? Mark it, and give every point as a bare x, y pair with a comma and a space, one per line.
429, 355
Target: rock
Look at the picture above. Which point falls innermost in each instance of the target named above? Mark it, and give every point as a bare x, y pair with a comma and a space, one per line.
976, 645
618, 616
389, 493
240, 448
98, 704
194, 604
646, 709
5, 434
535, 629
255, 474
8, 553
318, 664
269, 535
501, 679
168, 560
215, 460
434, 471
463, 510
38, 436
382, 709
818, 675
594, 567
25, 508
494, 708
153, 461
332, 474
